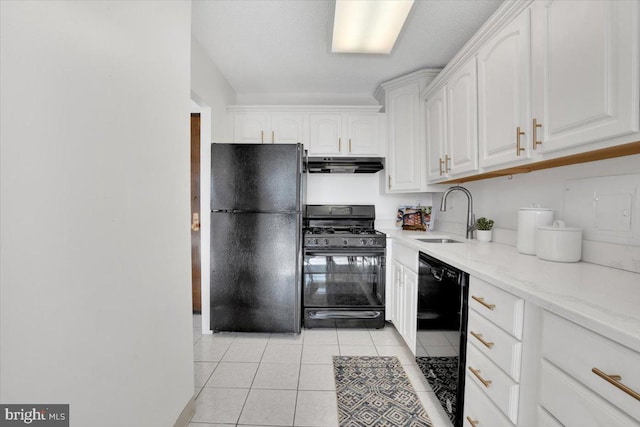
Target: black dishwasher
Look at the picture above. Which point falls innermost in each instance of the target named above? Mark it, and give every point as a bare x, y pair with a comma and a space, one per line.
442, 311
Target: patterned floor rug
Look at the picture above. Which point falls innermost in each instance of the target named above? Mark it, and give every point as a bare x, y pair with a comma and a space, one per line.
442, 375
375, 391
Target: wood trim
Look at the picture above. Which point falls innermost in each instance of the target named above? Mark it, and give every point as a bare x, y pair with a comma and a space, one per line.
187, 413
591, 156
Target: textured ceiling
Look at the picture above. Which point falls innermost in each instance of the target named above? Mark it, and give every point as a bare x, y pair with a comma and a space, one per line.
283, 46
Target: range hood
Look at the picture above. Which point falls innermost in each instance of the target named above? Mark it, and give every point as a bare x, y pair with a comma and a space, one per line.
344, 164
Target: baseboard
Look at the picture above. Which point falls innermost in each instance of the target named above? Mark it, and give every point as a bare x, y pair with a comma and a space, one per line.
186, 414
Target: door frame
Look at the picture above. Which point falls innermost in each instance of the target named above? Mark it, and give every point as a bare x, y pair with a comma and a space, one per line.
197, 106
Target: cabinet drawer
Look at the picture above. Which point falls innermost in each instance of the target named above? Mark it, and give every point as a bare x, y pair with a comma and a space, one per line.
503, 349
499, 387
573, 404
577, 351
478, 408
502, 308
406, 256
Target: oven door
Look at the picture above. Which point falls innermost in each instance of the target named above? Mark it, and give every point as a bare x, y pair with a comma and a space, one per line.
343, 284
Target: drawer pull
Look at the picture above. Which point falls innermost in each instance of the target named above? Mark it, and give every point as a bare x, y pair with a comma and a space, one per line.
481, 301
615, 380
476, 372
479, 338
474, 423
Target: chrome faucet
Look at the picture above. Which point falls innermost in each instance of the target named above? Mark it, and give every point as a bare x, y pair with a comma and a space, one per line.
470, 216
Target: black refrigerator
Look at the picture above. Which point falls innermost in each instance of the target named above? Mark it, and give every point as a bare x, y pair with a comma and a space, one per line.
256, 237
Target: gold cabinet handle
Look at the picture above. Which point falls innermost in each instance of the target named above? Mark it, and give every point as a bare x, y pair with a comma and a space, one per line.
519, 133
339, 144
349, 144
447, 159
481, 301
195, 222
536, 125
440, 163
474, 423
273, 136
476, 372
615, 381
261, 137
481, 339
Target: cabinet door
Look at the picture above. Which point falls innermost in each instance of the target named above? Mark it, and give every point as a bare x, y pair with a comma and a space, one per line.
503, 93
410, 301
585, 71
405, 139
436, 133
391, 303
325, 133
462, 121
250, 128
363, 134
286, 128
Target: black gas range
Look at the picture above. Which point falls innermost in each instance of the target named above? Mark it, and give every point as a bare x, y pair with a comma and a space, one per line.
344, 267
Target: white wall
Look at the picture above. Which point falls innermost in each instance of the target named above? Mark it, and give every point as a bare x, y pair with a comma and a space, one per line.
360, 189
95, 277
209, 88
212, 92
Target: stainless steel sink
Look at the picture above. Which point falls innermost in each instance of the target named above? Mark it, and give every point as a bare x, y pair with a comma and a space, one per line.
438, 240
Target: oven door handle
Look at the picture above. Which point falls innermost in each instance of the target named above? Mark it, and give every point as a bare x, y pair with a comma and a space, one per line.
344, 314
346, 253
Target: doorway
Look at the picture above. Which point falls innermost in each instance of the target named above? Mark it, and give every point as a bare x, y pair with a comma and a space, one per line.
196, 282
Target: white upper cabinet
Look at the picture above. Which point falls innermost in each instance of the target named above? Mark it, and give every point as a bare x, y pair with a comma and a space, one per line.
407, 150
363, 134
267, 128
451, 114
405, 139
347, 134
325, 133
249, 128
462, 121
436, 128
286, 128
585, 71
504, 94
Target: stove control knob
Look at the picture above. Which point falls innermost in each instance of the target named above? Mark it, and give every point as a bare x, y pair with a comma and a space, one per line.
363, 242
315, 241
345, 242
326, 242
372, 242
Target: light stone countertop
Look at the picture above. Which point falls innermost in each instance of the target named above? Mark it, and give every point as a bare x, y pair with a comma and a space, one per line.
603, 299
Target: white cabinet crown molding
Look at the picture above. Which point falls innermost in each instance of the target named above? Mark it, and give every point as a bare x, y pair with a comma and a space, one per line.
403, 80
503, 15
305, 108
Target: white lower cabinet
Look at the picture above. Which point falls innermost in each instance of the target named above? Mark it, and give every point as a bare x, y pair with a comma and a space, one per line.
479, 410
494, 367
573, 404
498, 386
402, 294
589, 373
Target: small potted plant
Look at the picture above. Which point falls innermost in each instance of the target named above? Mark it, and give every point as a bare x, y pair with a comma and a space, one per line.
483, 228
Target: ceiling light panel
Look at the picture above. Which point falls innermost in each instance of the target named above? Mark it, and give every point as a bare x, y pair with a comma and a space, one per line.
368, 26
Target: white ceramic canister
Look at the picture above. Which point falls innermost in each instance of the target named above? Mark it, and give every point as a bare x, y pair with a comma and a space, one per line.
559, 242
528, 221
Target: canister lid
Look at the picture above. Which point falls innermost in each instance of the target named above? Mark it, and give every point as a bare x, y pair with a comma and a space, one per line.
558, 225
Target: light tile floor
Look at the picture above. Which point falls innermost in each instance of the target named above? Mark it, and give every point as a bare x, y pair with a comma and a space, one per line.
287, 380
